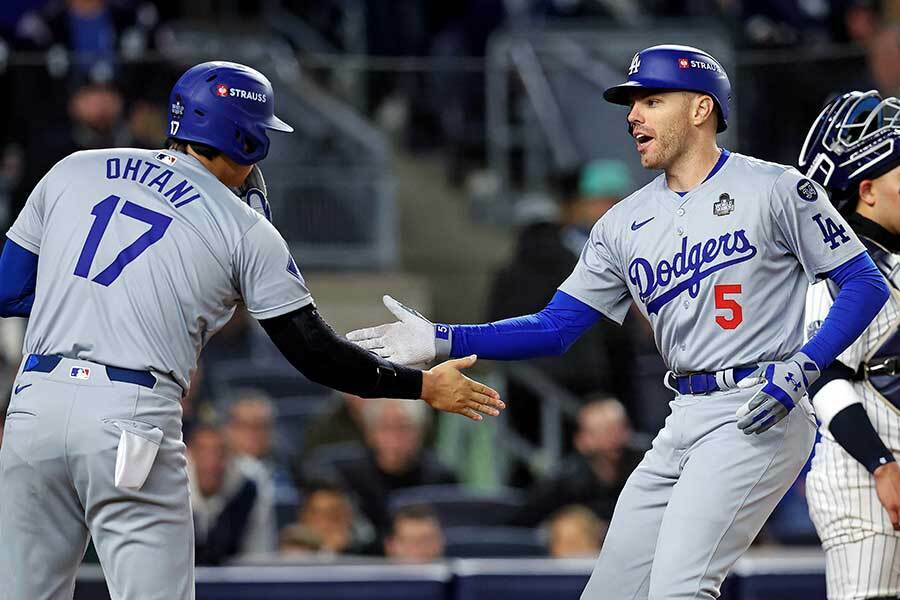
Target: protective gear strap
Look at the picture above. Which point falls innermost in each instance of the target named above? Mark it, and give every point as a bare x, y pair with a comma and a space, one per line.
313, 347
853, 430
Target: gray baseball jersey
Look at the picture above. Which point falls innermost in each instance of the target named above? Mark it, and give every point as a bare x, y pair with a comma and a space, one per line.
143, 256
721, 272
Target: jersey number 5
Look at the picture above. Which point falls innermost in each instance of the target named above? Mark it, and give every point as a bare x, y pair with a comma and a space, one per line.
103, 212
729, 304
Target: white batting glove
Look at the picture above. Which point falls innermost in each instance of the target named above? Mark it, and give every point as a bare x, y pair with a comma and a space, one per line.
785, 384
253, 193
410, 341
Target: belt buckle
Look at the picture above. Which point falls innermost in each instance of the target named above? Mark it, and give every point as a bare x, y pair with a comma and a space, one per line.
699, 376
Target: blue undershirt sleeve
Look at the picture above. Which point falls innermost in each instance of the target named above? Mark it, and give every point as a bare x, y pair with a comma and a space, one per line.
549, 332
18, 275
863, 291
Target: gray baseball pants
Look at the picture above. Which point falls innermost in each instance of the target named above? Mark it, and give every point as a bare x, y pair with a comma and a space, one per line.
697, 500
58, 474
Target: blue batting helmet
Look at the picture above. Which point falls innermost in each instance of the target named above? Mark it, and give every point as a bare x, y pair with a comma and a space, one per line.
672, 67
227, 106
855, 137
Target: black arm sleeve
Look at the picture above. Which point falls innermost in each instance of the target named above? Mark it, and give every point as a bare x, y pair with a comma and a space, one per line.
853, 430
313, 347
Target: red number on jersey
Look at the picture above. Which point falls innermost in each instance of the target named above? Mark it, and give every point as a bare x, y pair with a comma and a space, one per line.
729, 304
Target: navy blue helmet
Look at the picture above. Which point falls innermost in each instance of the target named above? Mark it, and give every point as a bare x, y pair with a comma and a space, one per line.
227, 106
672, 67
853, 138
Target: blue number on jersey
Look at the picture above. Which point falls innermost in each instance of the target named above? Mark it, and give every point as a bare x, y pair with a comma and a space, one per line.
103, 212
832, 234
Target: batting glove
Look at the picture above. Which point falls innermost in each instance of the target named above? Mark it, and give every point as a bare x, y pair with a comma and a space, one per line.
253, 193
785, 383
410, 341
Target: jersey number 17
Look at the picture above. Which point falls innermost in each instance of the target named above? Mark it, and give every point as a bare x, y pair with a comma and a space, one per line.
103, 212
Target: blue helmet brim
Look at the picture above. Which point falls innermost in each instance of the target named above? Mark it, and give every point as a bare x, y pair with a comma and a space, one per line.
622, 93
278, 125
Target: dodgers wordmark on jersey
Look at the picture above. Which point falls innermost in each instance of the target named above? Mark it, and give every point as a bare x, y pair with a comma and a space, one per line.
166, 253
721, 272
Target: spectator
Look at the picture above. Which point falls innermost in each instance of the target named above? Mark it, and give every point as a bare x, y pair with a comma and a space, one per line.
595, 474
251, 419
884, 60
327, 513
233, 516
393, 458
83, 87
575, 532
343, 424
298, 540
416, 536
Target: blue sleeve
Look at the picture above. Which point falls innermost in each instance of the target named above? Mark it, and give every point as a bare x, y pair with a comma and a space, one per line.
863, 291
18, 274
549, 332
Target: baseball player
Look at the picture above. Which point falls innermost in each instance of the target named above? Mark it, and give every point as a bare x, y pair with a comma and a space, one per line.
716, 252
127, 261
853, 487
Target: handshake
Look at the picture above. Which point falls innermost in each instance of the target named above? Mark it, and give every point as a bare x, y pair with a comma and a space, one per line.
412, 342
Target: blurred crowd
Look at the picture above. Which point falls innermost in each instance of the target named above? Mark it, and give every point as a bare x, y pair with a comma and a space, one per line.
283, 470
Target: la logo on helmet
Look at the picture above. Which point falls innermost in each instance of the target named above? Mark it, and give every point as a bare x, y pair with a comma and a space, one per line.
635, 64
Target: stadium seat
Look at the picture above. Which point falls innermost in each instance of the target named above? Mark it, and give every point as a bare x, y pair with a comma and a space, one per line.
459, 506
493, 542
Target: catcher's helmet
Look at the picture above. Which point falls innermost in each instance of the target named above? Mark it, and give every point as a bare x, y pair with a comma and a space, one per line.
672, 67
227, 106
855, 137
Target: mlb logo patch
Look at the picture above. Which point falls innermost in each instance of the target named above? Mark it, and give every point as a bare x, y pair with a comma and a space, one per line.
80, 373
683, 63
166, 158
221, 90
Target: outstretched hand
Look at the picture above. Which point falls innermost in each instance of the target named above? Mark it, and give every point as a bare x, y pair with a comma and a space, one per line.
445, 388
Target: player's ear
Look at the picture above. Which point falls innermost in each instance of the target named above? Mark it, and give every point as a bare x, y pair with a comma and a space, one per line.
702, 109
866, 192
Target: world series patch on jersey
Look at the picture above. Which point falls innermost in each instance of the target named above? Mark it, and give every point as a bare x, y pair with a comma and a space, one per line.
721, 272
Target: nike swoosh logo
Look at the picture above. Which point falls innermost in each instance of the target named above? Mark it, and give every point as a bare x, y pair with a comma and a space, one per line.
19, 388
635, 225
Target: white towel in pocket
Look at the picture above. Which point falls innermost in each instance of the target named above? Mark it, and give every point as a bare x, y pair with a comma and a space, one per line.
138, 446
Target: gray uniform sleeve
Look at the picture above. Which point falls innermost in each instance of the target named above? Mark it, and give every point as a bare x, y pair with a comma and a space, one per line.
28, 228
808, 226
267, 276
597, 279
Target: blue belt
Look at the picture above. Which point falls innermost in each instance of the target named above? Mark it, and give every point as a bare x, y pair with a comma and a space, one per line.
706, 383
45, 363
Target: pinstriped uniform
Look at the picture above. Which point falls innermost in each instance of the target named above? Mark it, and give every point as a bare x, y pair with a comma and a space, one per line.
862, 550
